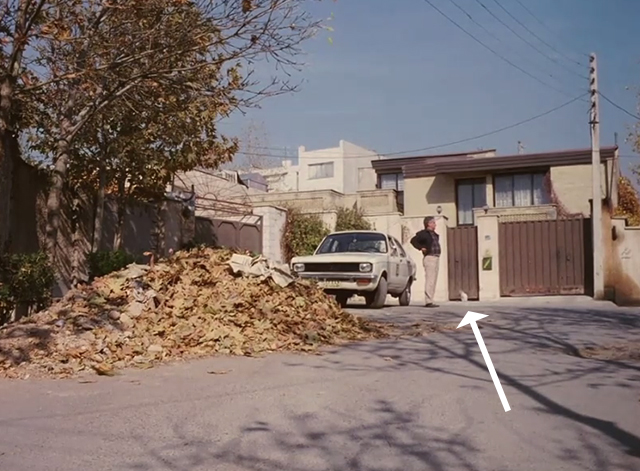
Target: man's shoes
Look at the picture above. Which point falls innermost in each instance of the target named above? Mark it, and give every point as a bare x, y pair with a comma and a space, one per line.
431, 305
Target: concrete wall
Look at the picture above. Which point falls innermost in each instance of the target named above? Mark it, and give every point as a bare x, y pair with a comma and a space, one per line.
76, 232
371, 202
525, 213
572, 185
273, 224
390, 224
281, 179
356, 159
367, 179
314, 157
208, 184
488, 246
422, 196
621, 261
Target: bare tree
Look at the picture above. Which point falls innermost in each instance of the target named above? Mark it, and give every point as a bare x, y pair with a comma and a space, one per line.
253, 150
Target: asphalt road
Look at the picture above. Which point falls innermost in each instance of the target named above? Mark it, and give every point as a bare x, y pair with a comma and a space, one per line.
421, 403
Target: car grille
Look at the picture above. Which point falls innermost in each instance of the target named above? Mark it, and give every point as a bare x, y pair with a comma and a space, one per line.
331, 267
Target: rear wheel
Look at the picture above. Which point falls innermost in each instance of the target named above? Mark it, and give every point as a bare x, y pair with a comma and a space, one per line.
377, 299
405, 298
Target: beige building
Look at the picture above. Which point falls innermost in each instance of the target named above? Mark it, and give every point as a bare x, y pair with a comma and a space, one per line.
345, 169
512, 225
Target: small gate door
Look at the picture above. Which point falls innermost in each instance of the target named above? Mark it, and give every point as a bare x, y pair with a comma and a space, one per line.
462, 260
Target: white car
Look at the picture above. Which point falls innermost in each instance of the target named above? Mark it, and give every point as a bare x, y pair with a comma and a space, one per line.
365, 263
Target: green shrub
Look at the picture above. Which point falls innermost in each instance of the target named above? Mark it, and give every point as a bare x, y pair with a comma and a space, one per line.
25, 279
302, 234
103, 262
352, 219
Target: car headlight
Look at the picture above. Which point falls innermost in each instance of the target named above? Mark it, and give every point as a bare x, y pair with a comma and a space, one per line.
366, 267
298, 267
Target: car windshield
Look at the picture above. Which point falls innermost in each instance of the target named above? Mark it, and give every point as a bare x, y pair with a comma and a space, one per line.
354, 242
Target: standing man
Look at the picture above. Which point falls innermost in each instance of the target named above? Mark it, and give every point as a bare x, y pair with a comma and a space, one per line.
428, 242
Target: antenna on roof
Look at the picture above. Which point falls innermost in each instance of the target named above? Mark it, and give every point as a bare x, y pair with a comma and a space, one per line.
520, 148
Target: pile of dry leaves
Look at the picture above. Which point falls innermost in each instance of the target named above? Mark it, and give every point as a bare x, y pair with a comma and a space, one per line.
188, 306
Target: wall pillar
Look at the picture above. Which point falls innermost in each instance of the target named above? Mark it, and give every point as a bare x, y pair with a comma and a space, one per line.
488, 256
273, 224
442, 286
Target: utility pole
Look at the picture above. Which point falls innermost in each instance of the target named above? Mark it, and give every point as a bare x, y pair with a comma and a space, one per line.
596, 212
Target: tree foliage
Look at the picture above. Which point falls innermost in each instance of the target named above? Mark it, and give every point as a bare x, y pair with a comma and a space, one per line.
303, 233
124, 94
352, 219
628, 202
25, 280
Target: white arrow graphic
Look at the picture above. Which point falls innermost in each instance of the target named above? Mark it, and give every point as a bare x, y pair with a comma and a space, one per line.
471, 318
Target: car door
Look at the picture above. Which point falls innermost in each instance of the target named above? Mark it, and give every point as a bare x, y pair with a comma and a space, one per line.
405, 264
394, 265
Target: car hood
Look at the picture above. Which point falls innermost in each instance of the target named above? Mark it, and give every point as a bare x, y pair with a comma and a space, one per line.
344, 257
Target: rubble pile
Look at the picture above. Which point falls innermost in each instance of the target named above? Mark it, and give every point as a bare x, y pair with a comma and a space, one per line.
196, 303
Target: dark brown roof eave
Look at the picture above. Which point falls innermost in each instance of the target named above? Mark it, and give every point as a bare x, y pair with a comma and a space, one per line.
397, 163
506, 162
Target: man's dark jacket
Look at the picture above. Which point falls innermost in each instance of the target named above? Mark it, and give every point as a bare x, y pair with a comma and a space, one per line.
423, 240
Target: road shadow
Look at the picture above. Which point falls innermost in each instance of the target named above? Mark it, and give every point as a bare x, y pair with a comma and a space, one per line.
538, 347
384, 437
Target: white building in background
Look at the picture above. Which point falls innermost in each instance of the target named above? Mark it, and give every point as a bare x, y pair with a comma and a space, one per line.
345, 169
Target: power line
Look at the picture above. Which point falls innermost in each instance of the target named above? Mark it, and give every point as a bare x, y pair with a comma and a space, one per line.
502, 22
542, 23
459, 141
536, 36
612, 103
484, 28
492, 50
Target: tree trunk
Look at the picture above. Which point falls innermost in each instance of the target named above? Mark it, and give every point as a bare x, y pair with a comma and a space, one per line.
158, 244
54, 202
99, 217
6, 160
75, 245
121, 211
27, 15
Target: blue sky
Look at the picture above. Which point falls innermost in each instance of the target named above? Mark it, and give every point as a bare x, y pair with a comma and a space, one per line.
399, 76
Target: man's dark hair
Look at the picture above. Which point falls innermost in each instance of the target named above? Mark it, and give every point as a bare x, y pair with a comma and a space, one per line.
427, 220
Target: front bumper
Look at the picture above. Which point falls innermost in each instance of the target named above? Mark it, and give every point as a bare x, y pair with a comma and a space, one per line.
354, 282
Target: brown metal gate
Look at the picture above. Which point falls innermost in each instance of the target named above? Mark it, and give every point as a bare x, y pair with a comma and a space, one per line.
547, 257
462, 261
231, 234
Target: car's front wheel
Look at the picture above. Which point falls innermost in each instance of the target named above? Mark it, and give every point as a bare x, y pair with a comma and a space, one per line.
377, 299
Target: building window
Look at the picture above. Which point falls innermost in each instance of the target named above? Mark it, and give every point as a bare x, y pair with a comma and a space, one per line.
470, 194
520, 189
391, 181
323, 170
